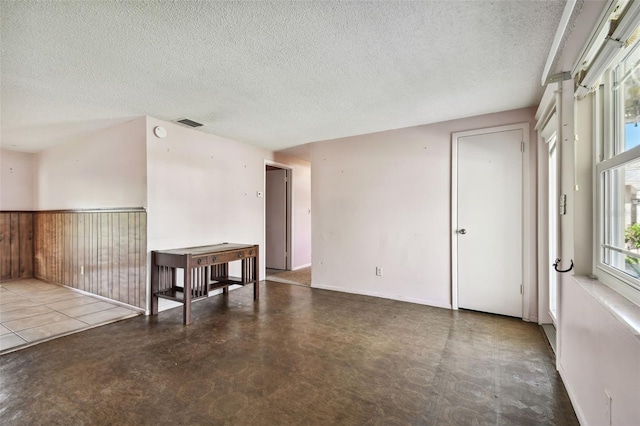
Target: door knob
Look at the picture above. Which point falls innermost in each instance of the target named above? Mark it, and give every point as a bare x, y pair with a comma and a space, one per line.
462, 231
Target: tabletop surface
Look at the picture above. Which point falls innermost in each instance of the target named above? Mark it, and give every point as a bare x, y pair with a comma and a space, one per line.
215, 248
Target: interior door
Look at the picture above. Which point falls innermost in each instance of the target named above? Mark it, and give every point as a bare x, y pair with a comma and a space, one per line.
276, 218
554, 249
489, 220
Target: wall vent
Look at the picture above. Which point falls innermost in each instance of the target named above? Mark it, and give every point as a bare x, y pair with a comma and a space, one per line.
189, 123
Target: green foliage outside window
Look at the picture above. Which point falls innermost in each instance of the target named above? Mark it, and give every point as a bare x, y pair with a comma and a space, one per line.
632, 235
632, 238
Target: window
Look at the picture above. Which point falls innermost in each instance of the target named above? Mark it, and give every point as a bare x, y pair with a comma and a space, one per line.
618, 175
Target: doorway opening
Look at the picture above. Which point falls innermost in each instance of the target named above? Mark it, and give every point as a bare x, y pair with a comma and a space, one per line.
287, 220
548, 240
553, 249
277, 218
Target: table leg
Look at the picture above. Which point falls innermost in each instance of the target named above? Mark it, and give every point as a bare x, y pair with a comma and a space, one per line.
225, 290
256, 273
155, 285
187, 296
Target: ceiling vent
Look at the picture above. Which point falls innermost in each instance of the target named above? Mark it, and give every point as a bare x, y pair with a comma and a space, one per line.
189, 123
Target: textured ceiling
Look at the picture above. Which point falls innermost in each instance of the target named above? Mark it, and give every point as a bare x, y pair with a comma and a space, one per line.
274, 74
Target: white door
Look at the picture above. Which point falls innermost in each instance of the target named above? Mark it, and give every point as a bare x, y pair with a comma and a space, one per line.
489, 222
276, 218
554, 249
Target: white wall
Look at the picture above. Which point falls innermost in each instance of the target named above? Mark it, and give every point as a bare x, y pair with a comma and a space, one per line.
384, 199
106, 169
599, 353
16, 180
301, 206
597, 350
202, 189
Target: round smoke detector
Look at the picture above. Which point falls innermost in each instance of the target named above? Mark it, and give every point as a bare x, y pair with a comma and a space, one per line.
160, 132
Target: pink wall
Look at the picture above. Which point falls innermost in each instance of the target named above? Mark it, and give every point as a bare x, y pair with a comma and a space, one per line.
107, 169
384, 199
598, 329
16, 180
202, 189
598, 353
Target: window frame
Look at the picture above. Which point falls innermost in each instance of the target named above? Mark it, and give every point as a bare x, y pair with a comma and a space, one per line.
608, 156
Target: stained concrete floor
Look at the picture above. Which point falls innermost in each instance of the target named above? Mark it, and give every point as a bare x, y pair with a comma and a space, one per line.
299, 356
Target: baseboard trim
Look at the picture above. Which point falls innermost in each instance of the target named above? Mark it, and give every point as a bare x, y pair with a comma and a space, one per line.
572, 397
306, 265
382, 296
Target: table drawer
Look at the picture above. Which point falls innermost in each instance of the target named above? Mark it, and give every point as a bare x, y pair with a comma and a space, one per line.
197, 261
230, 257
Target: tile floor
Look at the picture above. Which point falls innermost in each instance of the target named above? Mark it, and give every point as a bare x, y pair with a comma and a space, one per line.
32, 311
297, 277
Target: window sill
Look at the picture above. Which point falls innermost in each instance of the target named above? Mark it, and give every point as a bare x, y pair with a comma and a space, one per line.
625, 311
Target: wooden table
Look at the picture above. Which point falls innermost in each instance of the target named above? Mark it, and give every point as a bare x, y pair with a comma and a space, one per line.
205, 268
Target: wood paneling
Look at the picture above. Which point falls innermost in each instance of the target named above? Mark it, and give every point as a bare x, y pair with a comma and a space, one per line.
16, 245
103, 253
5, 246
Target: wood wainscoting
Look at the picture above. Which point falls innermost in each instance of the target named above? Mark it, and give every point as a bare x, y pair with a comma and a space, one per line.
16, 245
100, 252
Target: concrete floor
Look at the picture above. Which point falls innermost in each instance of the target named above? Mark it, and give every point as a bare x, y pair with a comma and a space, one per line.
298, 356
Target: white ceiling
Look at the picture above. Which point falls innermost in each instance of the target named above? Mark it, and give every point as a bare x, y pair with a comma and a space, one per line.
273, 74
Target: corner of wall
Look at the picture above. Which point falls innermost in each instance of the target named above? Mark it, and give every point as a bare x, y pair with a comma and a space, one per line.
103, 169
17, 180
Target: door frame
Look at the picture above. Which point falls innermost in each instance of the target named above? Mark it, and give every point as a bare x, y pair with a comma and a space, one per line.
554, 145
289, 225
528, 217
548, 110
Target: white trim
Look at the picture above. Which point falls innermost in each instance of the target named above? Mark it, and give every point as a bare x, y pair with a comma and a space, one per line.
528, 218
606, 120
546, 106
610, 49
454, 221
623, 310
595, 39
497, 129
623, 251
550, 130
106, 299
619, 160
544, 254
297, 268
549, 109
562, 27
618, 281
290, 218
382, 296
597, 155
572, 396
543, 228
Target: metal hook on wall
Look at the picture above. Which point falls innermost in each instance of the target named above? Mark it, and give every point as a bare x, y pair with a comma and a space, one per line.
557, 262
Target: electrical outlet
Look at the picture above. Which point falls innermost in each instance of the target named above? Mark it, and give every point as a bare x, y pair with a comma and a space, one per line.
378, 271
82, 270
607, 406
